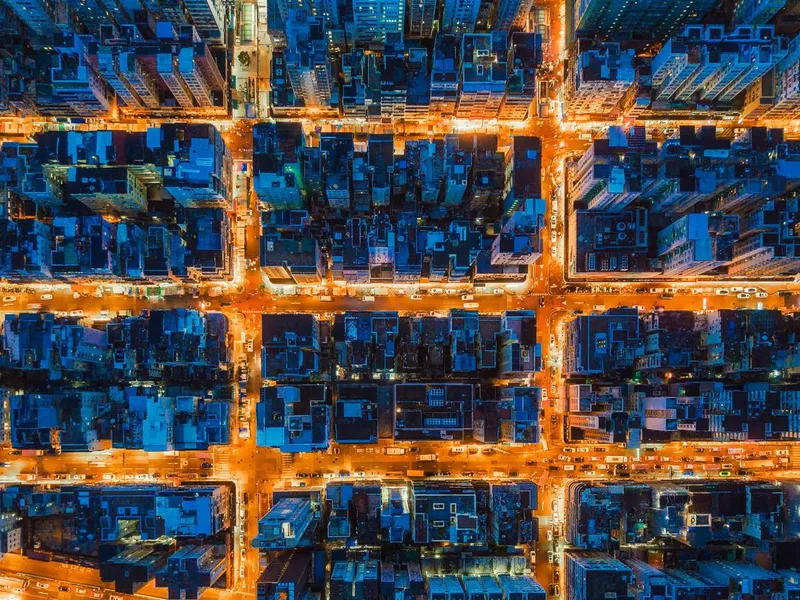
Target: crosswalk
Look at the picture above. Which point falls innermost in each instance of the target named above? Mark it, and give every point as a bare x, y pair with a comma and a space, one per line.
222, 463
794, 456
287, 460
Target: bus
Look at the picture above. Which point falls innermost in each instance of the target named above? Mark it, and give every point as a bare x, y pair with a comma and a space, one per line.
12, 584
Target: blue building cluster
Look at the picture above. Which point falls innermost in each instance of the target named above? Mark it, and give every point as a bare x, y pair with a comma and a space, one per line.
681, 539
721, 375
157, 382
359, 213
94, 205
696, 204
670, 60
174, 536
437, 359
385, 539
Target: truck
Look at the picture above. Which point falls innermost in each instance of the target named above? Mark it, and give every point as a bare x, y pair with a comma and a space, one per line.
426, 457
394, 451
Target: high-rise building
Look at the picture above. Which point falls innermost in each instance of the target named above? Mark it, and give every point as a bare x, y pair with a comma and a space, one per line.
444, 75
512, 13
599, 77
645, 20
421, 17
209, 17
373, 19
525, 56
484, 71
595, 576
459, 16
38, 15
697, 243
285, 525
705, 64
307, 61
756, 12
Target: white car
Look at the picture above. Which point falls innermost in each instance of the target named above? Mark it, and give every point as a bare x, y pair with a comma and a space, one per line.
750, 290
9, 299
76, 313
736, 289
762, 295
721, 292
50, 297
416, 296
743, 296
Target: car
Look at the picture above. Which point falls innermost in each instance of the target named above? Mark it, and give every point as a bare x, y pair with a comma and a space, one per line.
301, 475
550, 556
531, 463
63, 588
552, 339
344, 473
416, 296
46, 297
569, 449
9, 299
488, 450
549, 535
721, 292
541, 301
725, 473
467, 473
743, 296
736, 289
467, 297
103, 316
471, 305
583, 449
762, 295
750, 290
42, 585
445, 474
557, 591
96, 594
80, 591
76, 313
552, 589
414, 449
207, 465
